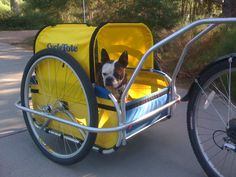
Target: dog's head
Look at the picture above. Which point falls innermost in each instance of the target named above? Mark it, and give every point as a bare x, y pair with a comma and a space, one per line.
113, 72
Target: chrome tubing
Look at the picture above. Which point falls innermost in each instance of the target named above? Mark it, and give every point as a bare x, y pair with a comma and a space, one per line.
121, 135
184, 53
99, 130
214, 21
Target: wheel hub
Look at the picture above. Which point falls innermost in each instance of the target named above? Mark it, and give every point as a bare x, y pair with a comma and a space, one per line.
231, 131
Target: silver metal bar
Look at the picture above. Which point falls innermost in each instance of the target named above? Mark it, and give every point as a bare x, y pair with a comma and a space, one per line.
165, 41
164, 74
116, 104
52, 132
121, 135
93, 129
73, 119
184, 53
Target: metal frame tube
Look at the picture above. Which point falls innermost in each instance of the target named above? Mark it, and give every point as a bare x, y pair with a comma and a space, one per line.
98, 130
121, 134
185, 51
186, 48
171, 37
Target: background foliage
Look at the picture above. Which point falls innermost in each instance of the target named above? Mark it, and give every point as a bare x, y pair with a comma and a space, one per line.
155, 13
162, 16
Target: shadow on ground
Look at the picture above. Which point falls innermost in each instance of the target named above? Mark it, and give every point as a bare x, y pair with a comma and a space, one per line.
12, 63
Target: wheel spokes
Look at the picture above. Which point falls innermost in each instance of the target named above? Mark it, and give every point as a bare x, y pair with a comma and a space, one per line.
56, 96
214, 109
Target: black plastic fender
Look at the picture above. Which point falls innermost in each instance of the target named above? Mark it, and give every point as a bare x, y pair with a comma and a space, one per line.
200, 75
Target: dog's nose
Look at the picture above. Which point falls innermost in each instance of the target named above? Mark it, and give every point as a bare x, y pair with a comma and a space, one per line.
109, 81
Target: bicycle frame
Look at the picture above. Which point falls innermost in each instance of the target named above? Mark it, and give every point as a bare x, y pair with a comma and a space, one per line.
175, 97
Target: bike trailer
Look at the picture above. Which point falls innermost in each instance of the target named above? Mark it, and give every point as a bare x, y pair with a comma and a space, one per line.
67, 113
84, 43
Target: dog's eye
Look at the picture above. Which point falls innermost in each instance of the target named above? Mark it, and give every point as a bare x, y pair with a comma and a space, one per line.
104, 74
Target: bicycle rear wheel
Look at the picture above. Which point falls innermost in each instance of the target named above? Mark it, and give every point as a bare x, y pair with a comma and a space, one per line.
211, 119
54, 83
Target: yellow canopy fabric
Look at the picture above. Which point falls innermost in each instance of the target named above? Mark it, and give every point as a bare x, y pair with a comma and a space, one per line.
71, 38
80, 40
135, 38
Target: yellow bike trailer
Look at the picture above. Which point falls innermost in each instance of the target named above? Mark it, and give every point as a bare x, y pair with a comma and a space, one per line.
67, 113
59, 81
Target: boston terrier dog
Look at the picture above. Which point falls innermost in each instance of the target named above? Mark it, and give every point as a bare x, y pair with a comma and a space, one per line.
111, 73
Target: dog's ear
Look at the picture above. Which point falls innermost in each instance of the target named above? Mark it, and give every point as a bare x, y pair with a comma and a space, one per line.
105, 57
123, 60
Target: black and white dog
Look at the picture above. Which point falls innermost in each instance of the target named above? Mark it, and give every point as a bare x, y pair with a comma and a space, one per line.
111, 74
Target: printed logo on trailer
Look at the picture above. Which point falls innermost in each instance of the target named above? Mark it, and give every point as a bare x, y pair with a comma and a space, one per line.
63, 47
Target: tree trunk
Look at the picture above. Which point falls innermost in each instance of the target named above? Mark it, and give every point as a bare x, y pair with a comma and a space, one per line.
233, 8
229, 8
14, 6
209, 6
194, 10
190, 12
183, 8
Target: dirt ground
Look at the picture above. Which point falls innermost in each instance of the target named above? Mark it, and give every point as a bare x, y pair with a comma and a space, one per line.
24, 39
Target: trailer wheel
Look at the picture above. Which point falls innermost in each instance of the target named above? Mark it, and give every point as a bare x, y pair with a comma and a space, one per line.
54, 83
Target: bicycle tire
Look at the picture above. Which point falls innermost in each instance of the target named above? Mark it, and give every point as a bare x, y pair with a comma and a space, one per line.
64, 64
207, 125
